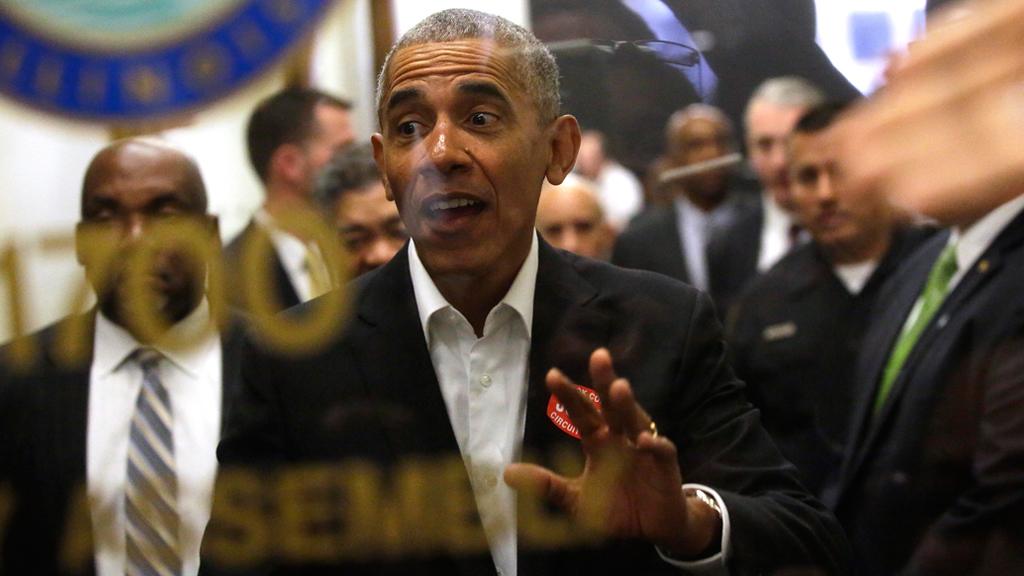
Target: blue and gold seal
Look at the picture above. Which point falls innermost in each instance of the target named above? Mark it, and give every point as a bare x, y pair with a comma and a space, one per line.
124, 60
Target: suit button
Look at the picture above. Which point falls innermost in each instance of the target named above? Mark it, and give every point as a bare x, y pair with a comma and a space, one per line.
485, 381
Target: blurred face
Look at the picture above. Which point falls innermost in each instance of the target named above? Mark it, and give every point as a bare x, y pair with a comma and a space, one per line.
569, 218
591, 157
768, 128
463, 154
127, 193
838, 220
332, 133
370, 227
698, 140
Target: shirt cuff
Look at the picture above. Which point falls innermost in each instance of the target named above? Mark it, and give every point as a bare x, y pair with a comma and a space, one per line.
712, 565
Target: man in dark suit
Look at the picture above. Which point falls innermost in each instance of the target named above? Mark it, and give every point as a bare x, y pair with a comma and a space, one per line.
450, 350
93, 434
671, 239
291, 136
759, 237
796, 330
931, 482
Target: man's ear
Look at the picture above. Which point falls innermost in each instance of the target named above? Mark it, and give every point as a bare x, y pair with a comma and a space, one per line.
81, 241
287, 163
377, 140
565, 145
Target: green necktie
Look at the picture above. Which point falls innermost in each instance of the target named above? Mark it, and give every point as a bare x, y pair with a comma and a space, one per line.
929, 301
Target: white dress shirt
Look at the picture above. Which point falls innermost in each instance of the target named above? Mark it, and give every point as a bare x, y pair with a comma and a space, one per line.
193, 380
694, 227
855, 276
295, 256
620, 193
484, 383
972, 242
775, 240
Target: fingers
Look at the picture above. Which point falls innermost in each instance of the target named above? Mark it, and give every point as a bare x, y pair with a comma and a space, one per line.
622, 403
660, 448
540, 482
923, 107
602, 377
620, 410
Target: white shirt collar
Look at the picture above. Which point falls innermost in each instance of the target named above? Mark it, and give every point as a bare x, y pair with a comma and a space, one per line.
775, 215
855, 276
113, 344
972, 242
519, 297
688, 210
292, 250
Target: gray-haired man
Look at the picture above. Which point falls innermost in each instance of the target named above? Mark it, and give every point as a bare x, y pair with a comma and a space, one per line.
454, 345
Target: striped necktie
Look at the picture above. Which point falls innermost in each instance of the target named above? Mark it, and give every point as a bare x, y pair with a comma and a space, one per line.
151, 493
928, 304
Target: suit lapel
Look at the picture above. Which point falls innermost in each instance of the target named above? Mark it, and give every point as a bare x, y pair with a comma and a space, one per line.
68, 398
980, 274
391, 352
669, 247
565, 331
975, 279
231, 339
746, 255
877, 347
285, 289
563, 335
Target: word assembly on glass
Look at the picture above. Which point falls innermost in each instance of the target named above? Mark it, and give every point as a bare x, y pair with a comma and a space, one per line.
354, 511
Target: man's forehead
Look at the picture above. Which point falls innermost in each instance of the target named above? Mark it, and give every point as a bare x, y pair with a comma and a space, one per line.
811, 147
700, 126
476, 56
142, 182
770, 116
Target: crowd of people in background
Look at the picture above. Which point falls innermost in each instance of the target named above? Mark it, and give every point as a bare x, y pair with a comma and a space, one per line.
875, 320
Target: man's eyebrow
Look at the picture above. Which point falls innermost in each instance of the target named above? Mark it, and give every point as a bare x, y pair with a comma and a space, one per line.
403, 95
484, 89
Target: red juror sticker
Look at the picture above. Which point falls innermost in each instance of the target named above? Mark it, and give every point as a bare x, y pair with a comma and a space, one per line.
560, 416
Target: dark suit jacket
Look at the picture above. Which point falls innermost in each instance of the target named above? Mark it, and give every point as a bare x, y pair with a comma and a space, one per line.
652, 242
934, 484
732, 252
43, 422
794, 336
373, 395
236, 278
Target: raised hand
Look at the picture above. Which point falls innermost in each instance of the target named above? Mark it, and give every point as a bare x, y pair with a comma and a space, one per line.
644, 498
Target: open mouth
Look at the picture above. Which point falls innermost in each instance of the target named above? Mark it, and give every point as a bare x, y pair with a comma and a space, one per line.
832, 219
453, 211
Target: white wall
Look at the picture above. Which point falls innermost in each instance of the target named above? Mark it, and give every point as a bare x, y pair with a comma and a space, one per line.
835, 39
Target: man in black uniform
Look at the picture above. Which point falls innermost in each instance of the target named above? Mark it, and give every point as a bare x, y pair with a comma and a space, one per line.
796, 330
